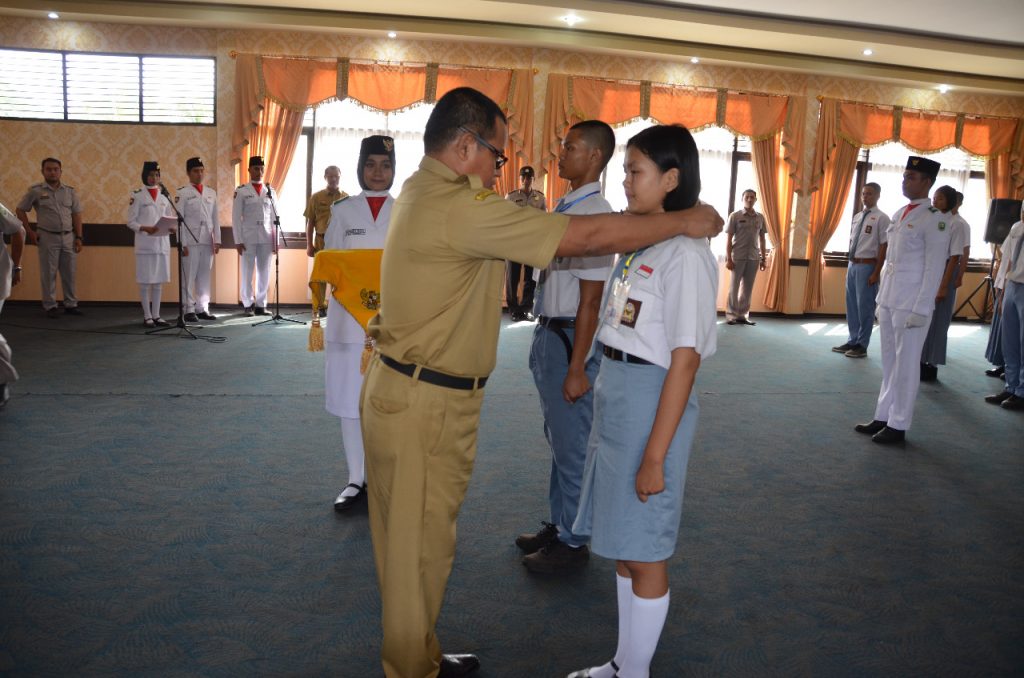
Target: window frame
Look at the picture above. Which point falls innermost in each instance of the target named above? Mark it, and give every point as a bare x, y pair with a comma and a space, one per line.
139, 56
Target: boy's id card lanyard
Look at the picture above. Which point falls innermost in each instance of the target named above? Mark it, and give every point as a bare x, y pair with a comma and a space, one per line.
620, 293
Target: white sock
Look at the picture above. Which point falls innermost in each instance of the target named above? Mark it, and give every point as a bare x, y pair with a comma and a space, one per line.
352, 441
144, 296
624, 593
158, 291
647, 619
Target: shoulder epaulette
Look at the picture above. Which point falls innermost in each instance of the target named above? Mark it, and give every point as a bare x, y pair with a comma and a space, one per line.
181, 188
932, 210
138, 190
39, 185
240, 186
341, 199
66, 186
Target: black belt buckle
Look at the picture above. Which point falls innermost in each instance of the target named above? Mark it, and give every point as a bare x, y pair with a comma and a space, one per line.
556, 323
616, 354
433, 377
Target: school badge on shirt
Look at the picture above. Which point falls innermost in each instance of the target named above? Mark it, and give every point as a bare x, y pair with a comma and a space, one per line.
942, 225
630, 312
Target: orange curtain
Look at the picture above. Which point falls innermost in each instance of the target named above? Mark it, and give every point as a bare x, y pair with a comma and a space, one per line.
386, 87
276, 138
826, 209
248, 103
693, 109
559, 116
775, 185
299, 83
755, 115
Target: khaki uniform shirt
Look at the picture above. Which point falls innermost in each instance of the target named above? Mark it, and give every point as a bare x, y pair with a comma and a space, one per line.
746, 230
534, 199
54, 207
319, 211
444, 269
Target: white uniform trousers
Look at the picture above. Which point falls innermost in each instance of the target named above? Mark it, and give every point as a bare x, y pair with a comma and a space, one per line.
57, 254
901, 367
198, 264
255, 258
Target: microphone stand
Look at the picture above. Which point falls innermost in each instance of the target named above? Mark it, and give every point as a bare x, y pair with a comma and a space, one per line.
183, 329
277, 317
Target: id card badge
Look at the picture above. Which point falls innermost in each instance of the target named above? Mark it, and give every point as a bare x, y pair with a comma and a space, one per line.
616, 303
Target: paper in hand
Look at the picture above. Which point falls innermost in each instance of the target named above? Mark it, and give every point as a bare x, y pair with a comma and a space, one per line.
166, 226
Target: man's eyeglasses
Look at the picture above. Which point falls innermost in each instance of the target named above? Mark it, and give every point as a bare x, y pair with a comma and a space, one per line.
499, 158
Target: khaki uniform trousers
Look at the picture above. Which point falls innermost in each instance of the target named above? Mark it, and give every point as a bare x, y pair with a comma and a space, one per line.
57, 254
743, 275
420, 442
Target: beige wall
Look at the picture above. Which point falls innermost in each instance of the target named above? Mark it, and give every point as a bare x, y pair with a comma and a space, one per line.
102, 160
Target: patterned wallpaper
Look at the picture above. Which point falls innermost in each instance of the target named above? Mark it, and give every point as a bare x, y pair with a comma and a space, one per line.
103, 160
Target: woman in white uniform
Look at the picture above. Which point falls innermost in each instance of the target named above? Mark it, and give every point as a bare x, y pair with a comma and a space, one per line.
658, 323
357, 222
933, 353
152, 252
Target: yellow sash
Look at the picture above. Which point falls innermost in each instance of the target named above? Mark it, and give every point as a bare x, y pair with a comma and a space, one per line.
354, 276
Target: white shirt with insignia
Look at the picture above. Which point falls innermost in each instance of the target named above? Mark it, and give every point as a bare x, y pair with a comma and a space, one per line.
200, 213
873, 233
252, 214
145, 210
960, 236
352, 227
915, 258
559, 295
672, 302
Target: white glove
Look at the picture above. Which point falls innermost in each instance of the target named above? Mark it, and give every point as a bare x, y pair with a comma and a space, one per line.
915, 320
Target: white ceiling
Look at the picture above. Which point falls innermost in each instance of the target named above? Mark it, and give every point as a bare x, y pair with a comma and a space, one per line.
970, 44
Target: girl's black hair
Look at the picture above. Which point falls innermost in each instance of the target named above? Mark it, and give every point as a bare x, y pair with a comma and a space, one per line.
673, 147
950, 194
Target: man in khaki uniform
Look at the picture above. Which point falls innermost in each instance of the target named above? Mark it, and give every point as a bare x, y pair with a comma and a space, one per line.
437, 343
58, 233
318, 215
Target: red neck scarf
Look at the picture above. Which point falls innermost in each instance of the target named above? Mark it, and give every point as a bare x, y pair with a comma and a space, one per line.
199, 187
153, 192
258, 187
375, 202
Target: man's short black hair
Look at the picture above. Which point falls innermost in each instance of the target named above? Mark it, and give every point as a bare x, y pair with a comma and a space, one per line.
872, 184
749, 190
461, 107
599, 135
42, 165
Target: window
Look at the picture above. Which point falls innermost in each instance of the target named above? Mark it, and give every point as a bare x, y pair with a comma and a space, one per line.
725, 170
81, 87
884, 165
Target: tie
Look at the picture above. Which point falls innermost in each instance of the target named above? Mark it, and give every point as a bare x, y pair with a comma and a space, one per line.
856, 236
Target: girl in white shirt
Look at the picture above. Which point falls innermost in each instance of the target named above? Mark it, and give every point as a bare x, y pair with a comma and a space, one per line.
658, 323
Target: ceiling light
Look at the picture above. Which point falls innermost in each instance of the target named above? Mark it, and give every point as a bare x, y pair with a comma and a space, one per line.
694, 60
53, 15
392, 35
868, 51
571, 19
944, 88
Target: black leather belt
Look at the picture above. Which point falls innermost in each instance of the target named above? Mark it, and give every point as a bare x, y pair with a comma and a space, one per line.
46, 230
435, 378
616, 354
556, 323
559, 326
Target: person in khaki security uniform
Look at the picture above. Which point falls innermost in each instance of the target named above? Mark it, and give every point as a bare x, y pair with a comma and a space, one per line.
10, 275
866, 256
918, 240
318, 216
200, 240
252, 222
58, 233
519, 308
420, 404
745, 233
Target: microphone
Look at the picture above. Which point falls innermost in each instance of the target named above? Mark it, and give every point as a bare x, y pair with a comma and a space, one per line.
163, 189
270, 193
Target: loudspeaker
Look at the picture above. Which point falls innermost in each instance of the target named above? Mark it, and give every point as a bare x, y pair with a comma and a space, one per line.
1002, 214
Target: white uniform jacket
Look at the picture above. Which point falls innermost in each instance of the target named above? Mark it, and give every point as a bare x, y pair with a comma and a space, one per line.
144, 210
918, 248
202, 226
252, 214
352, 227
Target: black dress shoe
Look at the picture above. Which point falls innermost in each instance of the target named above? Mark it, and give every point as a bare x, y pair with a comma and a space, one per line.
261, 310
191, 318
870, 429
160, 322
72, 310
998, 398
730, 322
52, 312
889, 436
929, 372
531, 542
746, 321
345, 503
205, 315
996, 372
248, 312
843, 348
1013, 403
454, 665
